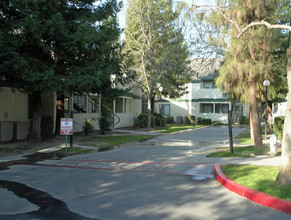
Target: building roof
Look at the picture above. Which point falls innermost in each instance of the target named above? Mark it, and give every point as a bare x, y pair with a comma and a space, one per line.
205, 68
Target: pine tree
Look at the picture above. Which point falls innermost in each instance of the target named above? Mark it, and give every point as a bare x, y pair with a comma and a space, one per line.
249, 59
156, 48
58, 46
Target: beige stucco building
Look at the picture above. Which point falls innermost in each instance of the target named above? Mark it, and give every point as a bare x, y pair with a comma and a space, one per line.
15, 110
203, 99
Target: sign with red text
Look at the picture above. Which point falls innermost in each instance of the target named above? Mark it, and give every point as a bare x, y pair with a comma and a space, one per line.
66, 126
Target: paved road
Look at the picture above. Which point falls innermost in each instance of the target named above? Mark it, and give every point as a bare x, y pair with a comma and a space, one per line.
167, 177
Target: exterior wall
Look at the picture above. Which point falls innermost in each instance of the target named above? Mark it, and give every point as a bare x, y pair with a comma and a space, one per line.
80, 118
13, 114
136, 107
190, 103
13, 105
279, 110
126, 120
178, 109
222, 117
125, 108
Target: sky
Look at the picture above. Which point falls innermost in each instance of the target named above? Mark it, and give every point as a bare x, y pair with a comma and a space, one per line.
121, 15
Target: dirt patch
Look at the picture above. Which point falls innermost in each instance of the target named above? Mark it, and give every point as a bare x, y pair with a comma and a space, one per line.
25, 147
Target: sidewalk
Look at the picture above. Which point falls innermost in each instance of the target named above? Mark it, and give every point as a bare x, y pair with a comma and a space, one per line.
24, 148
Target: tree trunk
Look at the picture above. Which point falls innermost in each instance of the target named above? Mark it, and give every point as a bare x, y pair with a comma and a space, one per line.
153, 104
149, 111
254, 114
35, 130
284, 176
251, 126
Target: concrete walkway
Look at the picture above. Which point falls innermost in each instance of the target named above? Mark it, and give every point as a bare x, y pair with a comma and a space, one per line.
154, 179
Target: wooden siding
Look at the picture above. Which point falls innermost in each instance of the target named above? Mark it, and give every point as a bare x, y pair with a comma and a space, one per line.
13, 105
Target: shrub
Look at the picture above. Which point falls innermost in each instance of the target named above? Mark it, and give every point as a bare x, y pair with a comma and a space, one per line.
47, 126
159, 120
190, 119
88, 126
169, 119
204, 121
244, 120
278, 126
217, 123
106, 120
142, 120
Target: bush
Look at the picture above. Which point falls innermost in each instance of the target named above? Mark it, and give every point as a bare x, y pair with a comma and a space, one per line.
190, 119
106, 120
278, 126
244, 120
158, 119
217, 123
88, 126
142, 120
169, 119
47, 126
204, 121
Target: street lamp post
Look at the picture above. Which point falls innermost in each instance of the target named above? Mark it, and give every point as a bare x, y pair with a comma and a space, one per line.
266, 83
160, 90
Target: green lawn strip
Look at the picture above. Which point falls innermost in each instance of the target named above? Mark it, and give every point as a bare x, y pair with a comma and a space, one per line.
74, 150
244, 138
226, 154
108, 141
251, 150
178, 127
259, 178
244, 151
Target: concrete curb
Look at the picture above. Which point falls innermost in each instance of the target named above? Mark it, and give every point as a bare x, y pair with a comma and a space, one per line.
255, 196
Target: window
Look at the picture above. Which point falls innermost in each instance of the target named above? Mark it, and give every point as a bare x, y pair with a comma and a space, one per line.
217, 108
128, 106
165, 109
206, 108
80, 103
224, 95
119, 105
94, 105
225, 108
66, 104
221, 108
208, 85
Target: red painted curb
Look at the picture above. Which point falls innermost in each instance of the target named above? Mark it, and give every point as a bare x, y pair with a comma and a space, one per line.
255, 196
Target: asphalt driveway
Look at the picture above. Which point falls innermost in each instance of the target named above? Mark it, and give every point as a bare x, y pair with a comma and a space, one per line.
167, 177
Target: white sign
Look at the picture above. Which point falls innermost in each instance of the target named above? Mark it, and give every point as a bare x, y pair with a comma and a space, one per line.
66, 126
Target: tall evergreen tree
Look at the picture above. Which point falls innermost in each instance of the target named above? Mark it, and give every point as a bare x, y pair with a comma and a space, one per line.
156, 47
249, 59
58, 46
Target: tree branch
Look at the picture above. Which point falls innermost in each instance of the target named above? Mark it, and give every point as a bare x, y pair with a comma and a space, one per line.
268, 25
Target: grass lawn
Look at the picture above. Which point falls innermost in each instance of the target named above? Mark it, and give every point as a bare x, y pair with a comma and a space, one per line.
74, 150
107, 141
260, 178
226, 154
244, 151
244, 138
178, 127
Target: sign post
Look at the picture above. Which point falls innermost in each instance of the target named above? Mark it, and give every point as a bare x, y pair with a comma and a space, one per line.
66, 128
